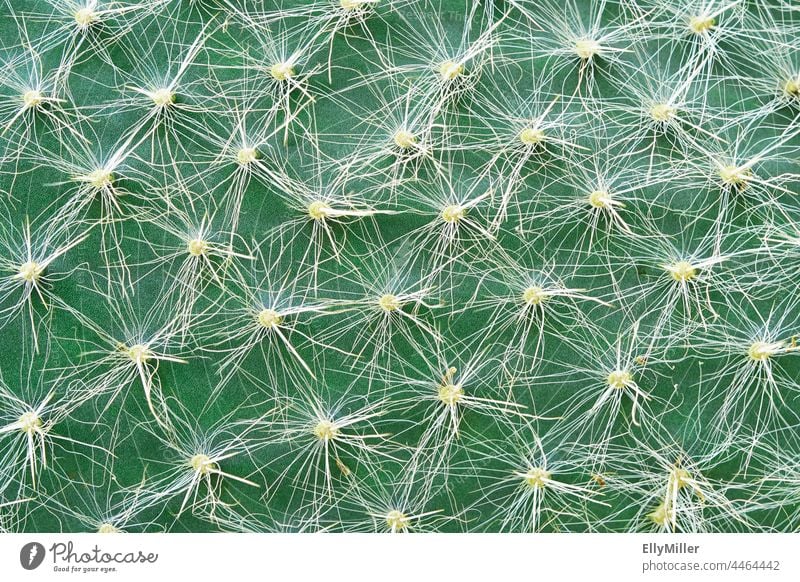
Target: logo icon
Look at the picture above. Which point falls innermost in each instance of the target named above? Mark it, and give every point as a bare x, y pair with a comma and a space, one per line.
31, 555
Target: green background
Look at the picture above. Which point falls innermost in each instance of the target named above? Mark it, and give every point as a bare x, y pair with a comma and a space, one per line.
95, 88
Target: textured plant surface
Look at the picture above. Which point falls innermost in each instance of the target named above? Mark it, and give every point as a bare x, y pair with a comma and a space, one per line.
411, 265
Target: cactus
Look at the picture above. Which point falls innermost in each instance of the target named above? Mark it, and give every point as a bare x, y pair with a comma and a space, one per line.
399, 266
